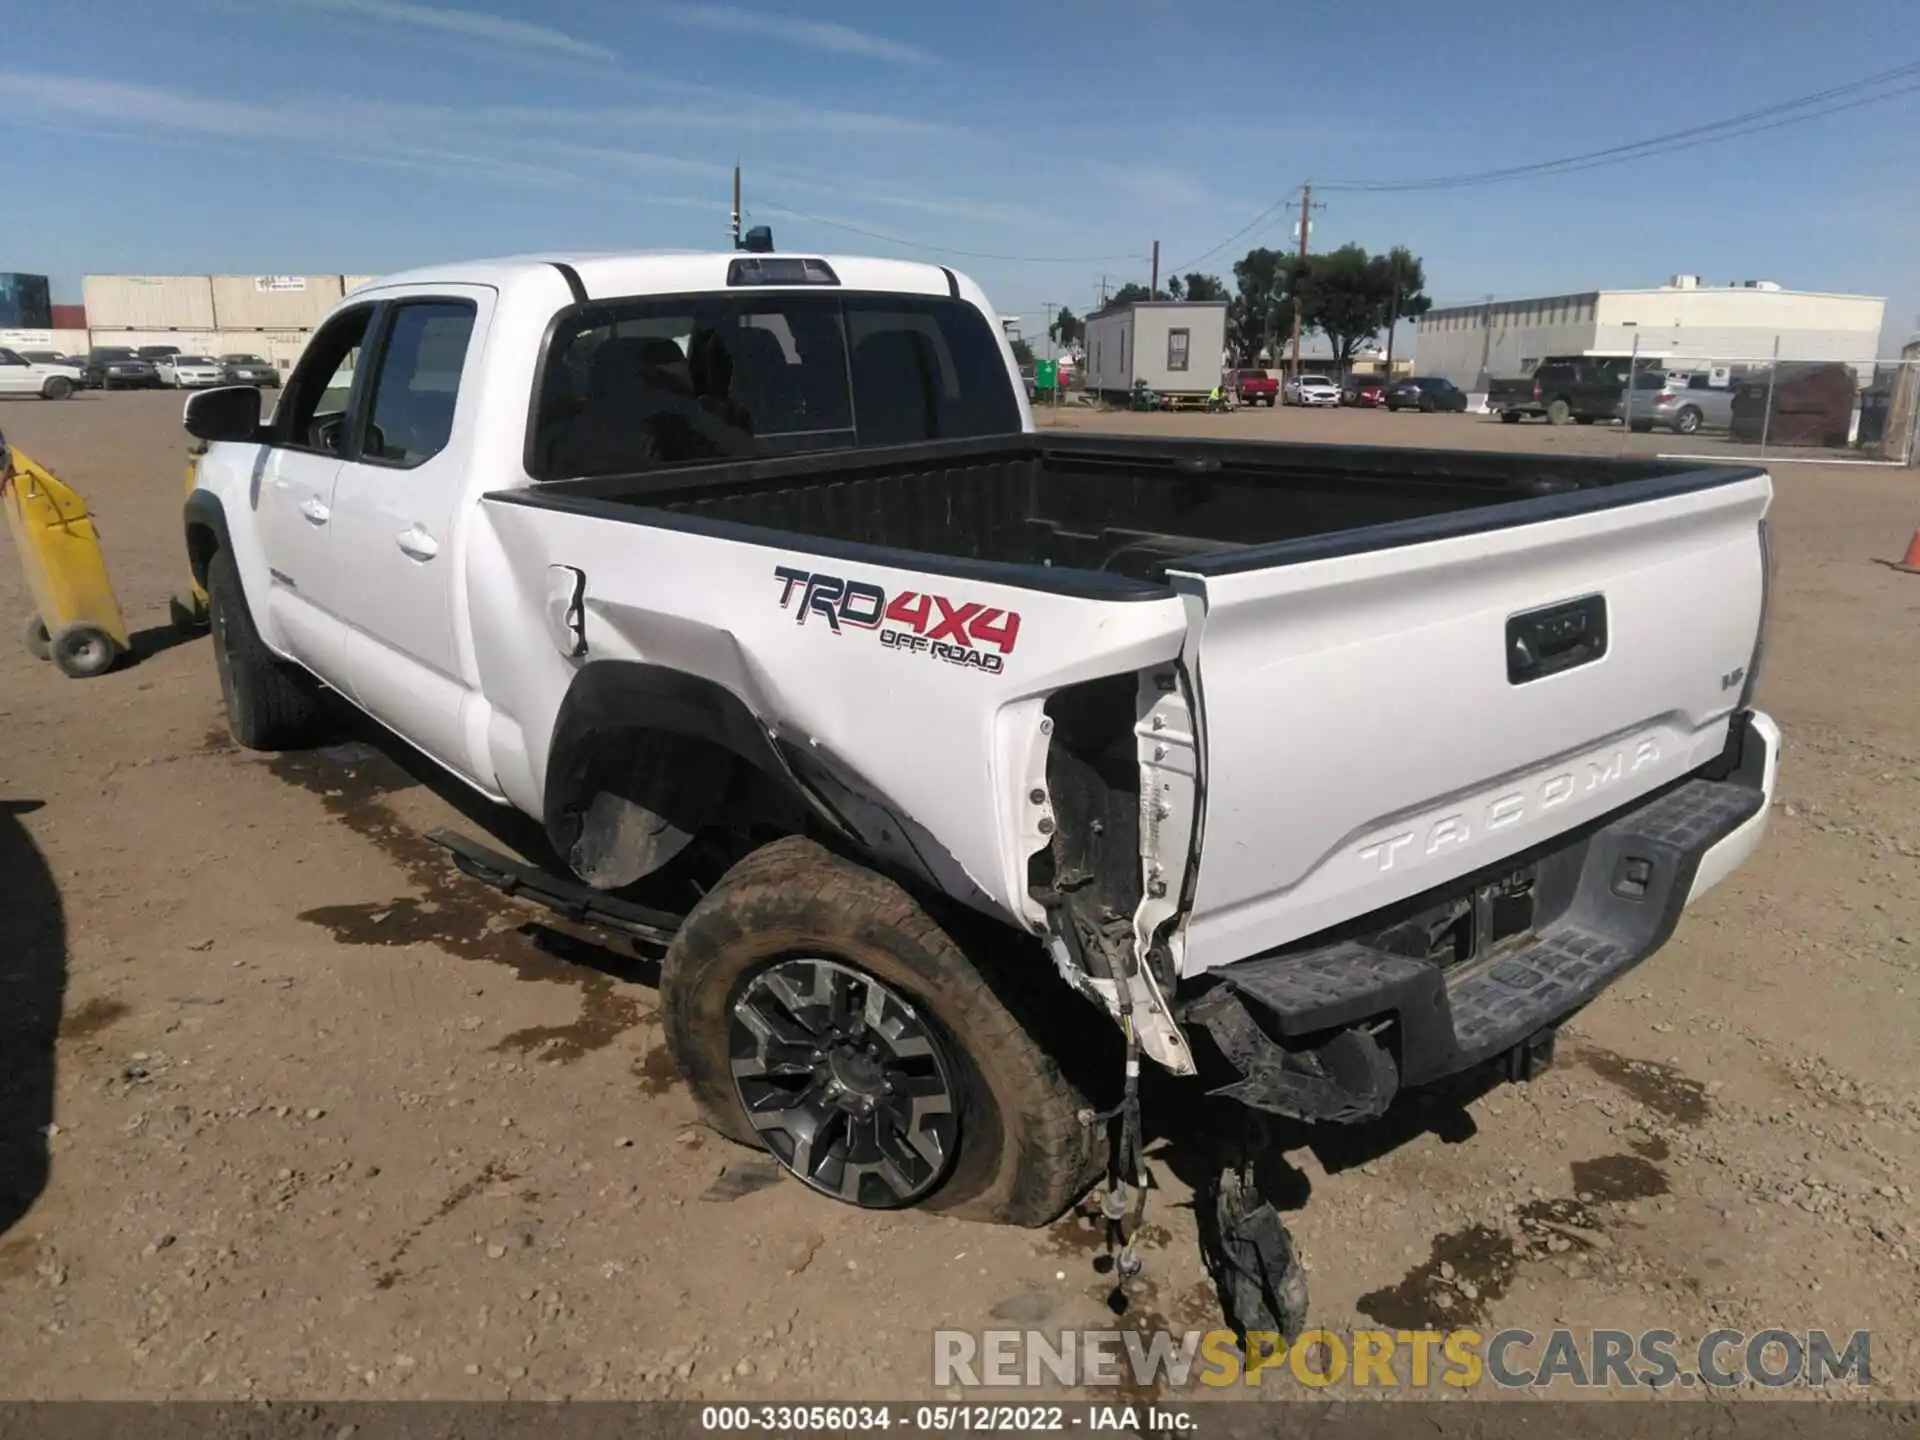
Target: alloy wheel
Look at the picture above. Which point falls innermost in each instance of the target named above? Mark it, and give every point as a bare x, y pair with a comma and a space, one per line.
846, 1084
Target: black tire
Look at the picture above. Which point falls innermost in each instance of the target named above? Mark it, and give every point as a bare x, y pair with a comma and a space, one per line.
83, 651
39, 643
1687, 422
58, 387
1022, 1153
1559, 412
270, 705
1509, 417
1583, 419
1640, 427
106, 383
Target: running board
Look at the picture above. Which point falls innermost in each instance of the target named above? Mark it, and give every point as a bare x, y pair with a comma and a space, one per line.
578, 902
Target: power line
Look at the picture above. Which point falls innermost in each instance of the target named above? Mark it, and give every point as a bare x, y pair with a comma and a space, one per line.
1752, 122
1709, 133
947, 249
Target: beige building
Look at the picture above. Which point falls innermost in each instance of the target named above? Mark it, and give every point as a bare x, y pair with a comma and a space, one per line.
1737, 325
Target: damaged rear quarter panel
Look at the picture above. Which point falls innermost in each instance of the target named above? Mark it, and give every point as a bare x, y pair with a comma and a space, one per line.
836, 656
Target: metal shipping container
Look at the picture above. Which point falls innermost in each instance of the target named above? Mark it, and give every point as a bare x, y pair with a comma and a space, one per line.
273, 302
149, 302
189, 342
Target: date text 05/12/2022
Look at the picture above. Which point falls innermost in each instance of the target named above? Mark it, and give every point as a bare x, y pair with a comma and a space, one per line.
910, 622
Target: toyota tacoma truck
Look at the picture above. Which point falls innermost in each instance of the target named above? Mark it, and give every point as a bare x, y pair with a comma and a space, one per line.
1324, 772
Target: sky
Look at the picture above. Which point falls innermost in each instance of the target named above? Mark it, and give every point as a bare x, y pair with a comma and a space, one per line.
1037, 146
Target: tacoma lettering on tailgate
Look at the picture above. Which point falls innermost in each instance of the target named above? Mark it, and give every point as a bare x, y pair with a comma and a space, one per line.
1497, 812
909, 622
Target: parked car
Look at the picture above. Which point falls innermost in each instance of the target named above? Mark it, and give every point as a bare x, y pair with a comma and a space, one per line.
1685, 407
641, 620
1563, 389
190, 372
22, 376
1252, 387
1367, 392
51, 357
247, 369
1426, 392
116, 367
154, 354
1312, 390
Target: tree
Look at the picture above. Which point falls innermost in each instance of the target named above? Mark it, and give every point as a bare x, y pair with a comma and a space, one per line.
1195, 286
1262, 310
1022, 351
1067, 329
1351, 296
1128, 293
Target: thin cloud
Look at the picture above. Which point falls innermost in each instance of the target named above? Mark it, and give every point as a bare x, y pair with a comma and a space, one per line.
470, 24
809, 34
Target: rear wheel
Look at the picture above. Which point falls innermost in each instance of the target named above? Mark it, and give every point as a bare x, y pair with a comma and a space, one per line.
1509, 417
58, 387
270, 705
1559, 412
819, 1012
1641, 427
1687, 422
1583, 419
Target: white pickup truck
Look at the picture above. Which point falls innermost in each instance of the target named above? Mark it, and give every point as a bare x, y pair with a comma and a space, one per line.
1326, 771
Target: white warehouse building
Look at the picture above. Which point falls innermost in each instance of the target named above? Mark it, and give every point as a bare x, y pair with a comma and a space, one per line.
1176, 346
1736, 325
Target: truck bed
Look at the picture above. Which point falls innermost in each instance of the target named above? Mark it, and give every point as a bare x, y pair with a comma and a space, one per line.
1124, 508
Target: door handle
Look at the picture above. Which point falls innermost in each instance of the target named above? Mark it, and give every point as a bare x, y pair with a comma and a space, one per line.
315, 512
417, 543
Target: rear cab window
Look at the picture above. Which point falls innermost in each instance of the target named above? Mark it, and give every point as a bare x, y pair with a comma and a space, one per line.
632, 385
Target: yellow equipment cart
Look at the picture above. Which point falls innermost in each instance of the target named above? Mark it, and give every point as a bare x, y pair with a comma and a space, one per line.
77, 622
188, 608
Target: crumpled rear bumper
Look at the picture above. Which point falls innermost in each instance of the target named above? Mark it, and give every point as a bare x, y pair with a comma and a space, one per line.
1332, 1033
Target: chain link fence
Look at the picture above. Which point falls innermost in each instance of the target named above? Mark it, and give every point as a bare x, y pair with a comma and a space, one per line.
1780, 408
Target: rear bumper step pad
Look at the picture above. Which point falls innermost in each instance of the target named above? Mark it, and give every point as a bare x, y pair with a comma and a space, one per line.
1369, 1023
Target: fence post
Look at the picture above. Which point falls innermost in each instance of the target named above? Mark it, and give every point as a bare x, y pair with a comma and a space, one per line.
1626, 410
1766, 418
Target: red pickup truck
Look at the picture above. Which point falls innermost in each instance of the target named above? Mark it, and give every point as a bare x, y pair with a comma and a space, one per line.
1252, 387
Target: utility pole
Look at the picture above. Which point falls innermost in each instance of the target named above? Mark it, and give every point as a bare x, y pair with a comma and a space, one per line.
1051, 307
1486, 340
1153, 285
1306, 210
1393, 314
1103, 292
736, 207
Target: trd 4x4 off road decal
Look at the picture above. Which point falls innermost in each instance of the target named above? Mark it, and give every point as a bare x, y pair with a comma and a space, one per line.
977, 636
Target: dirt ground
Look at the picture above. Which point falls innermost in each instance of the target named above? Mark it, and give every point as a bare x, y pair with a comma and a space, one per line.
325, 1118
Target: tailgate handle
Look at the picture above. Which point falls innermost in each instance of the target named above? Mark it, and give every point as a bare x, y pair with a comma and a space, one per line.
1555, 638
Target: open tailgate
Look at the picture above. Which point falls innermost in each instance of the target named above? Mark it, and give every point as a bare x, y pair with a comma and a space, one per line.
1384, 711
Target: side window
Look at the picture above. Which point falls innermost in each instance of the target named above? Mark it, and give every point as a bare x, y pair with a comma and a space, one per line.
313, 410
417, 382
1177, 343
7, 357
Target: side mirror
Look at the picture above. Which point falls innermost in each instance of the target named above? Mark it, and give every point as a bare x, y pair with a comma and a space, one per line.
231, 412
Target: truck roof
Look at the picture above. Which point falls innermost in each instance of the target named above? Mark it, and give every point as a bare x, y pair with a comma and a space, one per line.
664, 272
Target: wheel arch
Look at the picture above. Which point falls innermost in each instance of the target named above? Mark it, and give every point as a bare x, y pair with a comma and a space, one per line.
206, 525
615, 703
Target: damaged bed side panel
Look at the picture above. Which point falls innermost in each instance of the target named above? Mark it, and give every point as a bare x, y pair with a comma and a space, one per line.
927, 691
